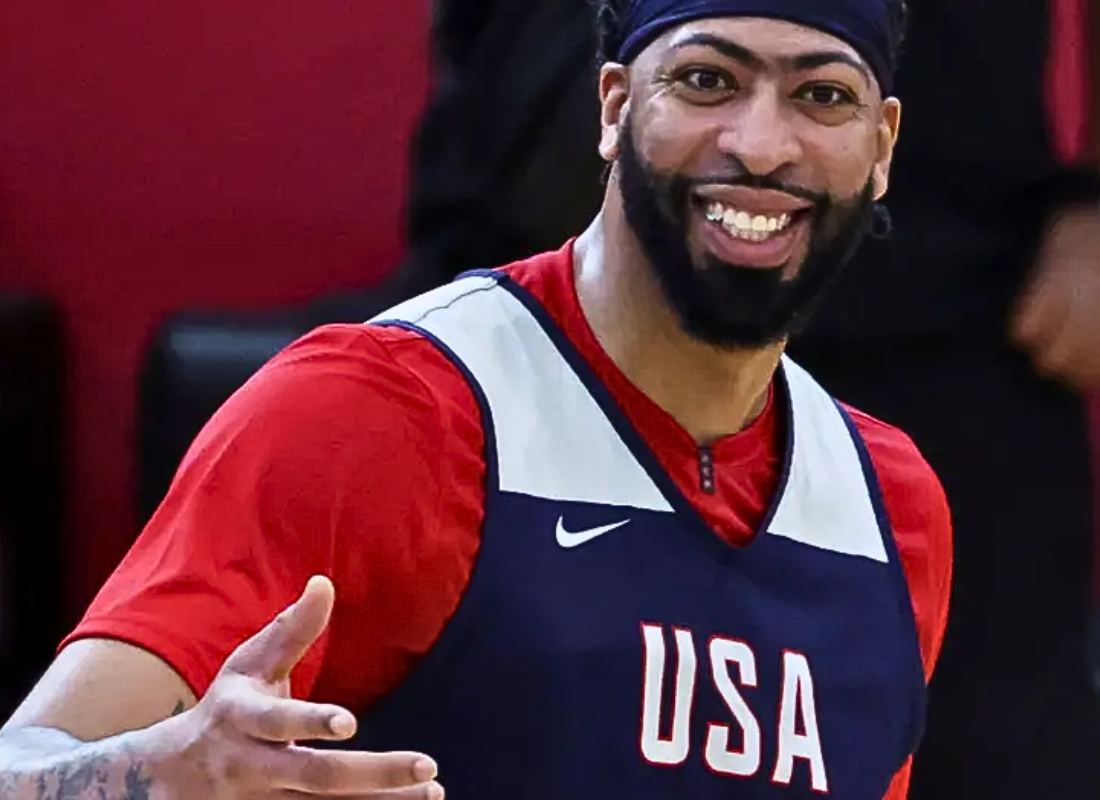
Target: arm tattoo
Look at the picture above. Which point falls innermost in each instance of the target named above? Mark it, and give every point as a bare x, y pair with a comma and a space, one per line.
87, 779
45, 764
49, 764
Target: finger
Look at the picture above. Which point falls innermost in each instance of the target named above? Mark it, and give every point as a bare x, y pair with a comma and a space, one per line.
1056, 357
1041, 308
1085, 309
1074, 355
273, 652
1066, 319
347, 773
425, 791
277, 719
1031, 322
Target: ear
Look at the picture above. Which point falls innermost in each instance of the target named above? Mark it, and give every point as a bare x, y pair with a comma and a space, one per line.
888, 129
614, 96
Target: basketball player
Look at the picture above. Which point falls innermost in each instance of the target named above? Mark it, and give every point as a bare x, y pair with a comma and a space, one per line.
591, 534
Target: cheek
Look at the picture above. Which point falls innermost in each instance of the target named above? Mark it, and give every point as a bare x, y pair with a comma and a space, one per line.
671, 141
843, 161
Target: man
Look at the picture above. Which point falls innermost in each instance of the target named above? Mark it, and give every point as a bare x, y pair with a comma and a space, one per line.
591, 534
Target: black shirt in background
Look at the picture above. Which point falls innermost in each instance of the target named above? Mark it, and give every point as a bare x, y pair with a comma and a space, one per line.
505, 163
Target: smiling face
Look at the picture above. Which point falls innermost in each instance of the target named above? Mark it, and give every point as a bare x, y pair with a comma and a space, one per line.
748, 154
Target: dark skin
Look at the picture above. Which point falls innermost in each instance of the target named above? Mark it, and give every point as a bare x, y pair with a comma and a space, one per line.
798, 105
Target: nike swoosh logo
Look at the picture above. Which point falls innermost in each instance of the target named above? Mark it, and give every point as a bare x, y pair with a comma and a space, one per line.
569, 539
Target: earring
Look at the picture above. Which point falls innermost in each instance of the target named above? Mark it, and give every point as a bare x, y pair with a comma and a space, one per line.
882, 224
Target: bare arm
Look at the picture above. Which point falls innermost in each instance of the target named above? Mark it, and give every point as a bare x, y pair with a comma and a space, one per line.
98, 688
48, 764
100, 726
65, 743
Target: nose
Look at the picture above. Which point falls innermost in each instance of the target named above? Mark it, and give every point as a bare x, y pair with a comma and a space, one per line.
759, 133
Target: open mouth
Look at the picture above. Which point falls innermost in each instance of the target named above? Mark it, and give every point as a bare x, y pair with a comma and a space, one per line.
752, 238
744, 224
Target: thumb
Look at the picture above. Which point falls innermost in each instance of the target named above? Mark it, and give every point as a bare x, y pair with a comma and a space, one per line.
272, 653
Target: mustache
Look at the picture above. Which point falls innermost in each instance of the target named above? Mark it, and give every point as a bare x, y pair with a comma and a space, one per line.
749, 181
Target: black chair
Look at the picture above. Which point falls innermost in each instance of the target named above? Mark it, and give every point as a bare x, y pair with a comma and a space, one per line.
32, 508
194, 363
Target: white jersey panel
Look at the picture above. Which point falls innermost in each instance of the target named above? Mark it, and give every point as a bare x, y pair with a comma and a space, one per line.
826, 501
554, 441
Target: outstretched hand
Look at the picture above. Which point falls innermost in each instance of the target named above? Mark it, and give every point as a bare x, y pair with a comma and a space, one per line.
240, 740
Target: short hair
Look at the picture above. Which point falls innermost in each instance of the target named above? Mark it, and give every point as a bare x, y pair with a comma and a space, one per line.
609, 27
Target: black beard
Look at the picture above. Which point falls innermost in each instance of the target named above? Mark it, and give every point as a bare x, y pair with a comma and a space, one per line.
729, 305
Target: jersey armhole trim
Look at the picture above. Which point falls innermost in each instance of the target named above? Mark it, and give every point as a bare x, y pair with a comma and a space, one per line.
450, 636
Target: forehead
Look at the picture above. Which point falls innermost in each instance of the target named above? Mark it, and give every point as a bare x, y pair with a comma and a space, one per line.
767, 38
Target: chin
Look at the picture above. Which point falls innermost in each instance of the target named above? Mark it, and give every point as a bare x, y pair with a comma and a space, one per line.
781, 272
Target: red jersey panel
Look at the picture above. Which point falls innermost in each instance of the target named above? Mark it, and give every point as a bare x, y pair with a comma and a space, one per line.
358, 453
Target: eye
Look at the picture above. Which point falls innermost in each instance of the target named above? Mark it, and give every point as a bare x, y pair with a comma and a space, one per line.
828, 95
701, 79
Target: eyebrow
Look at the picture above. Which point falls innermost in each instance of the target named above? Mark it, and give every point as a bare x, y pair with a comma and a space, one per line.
799, 63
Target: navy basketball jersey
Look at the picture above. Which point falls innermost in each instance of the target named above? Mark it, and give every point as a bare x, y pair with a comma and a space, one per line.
611, 645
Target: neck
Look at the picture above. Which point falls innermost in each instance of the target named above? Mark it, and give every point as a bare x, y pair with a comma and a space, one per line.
711, 391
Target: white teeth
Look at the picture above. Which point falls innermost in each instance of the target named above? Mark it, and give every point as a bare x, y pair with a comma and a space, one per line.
743, 225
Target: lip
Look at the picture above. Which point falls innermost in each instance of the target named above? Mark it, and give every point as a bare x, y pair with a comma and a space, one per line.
771, 253
756, 201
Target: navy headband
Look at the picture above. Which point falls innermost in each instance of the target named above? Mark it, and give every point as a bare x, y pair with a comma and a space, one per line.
863, 24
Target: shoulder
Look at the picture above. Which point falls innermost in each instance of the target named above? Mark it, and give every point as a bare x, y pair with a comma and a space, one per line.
546, 276
341, 391
389, 364
911, 489
921, 521
373, 423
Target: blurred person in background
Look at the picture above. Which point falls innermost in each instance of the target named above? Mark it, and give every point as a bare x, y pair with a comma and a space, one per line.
505, 162
975, 326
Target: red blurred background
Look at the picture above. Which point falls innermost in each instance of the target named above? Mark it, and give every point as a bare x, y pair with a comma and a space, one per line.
215, 153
